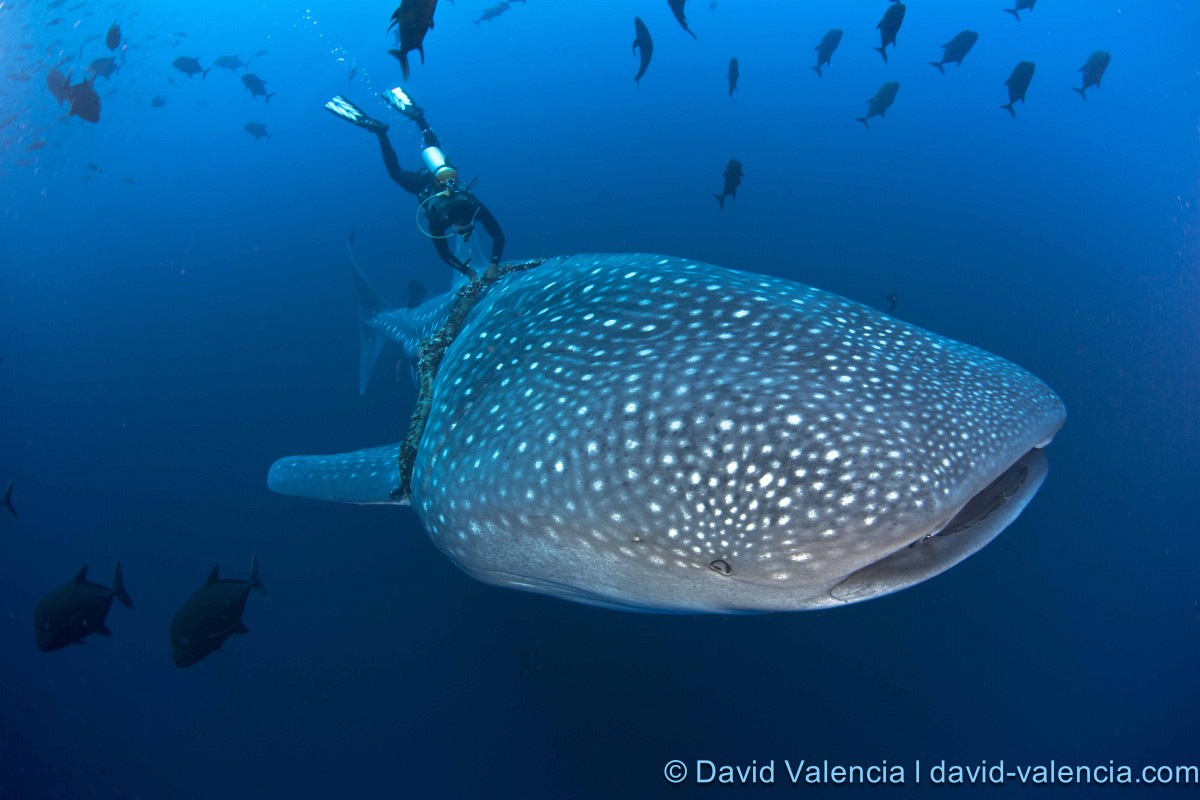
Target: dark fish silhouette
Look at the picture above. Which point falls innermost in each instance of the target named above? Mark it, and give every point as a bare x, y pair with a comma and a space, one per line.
955, 50
733, 179
6, 502
58, 84
350, 75
113, 37
190, 66
257, 130
413, 18
1022, 5
732, 76
232, 62
104, 67
889, 26
77, 609
878, 105
677, 10
892, 300
157, 101
211, 615
1018, 83
18, 76
257, 87
491, 12
829, 42
643, 45
1093, 71
84, 102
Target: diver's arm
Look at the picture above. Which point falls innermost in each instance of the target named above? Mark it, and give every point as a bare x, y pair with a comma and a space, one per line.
485, 218
412, 182
441, 244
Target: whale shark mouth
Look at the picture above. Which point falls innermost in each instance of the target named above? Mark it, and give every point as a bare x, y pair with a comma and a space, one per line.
979, 521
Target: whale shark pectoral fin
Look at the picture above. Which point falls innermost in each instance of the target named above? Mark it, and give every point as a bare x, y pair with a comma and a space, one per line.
977, 523
365, 476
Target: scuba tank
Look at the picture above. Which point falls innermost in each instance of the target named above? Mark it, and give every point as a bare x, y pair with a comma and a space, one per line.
435, 162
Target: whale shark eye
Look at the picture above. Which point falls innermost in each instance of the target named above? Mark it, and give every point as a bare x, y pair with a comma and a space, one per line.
721, 566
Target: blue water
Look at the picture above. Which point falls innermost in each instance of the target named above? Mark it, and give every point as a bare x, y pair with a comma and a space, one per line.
175, 321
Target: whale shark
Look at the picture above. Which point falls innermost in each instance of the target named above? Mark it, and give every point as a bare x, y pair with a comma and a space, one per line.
652, 433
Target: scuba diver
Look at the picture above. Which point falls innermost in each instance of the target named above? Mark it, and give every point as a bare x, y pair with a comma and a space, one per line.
449, 208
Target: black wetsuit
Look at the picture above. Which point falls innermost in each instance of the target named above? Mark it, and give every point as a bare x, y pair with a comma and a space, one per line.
422, 184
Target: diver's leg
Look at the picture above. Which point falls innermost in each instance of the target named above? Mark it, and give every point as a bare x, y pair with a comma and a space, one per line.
412, 182
399, 100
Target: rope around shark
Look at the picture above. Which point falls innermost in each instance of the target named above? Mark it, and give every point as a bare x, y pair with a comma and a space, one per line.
429, 358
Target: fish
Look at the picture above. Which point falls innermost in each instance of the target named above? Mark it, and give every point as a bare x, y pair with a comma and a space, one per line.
892, 301
643, 45
157, 101
1018, 84
6, 501
350, 75
190, 66
211, 615
829, 42
257, 87
878, 105
413, 19
257, 130
653, 433
1021, 5
36, 144
58, 84
18, 76
732, 75
232, 62
76, 610
491, 12
889, 26
104, 67
84, 101
55, 21
1093, 71
112, 39
733, 179
956, 50
677, 9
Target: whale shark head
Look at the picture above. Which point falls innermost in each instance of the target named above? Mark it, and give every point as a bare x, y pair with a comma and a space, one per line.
651, 433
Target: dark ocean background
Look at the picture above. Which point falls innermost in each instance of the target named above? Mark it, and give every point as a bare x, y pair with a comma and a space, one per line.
182, 314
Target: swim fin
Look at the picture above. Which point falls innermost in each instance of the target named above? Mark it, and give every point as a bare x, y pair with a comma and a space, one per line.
341, 107
397, 99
